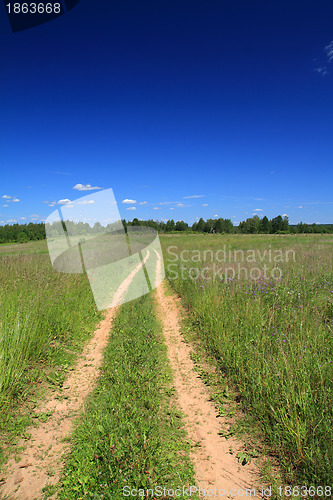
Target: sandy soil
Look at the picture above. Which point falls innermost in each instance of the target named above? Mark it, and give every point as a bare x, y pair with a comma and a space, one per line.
214, 466
45, 449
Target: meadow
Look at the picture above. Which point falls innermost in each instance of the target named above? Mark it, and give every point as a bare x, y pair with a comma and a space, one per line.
260, 305
45, 319
272, 334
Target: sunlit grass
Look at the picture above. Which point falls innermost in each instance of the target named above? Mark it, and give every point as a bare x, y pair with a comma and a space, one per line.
274, 338
45, 317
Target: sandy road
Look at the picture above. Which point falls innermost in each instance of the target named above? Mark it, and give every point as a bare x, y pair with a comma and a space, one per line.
214, 466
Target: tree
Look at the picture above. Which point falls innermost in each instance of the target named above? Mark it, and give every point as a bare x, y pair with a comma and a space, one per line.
201, 225
277, 224
181, 225
285, 223
251, 225
22, 237
170, 225
209, 226
265, 225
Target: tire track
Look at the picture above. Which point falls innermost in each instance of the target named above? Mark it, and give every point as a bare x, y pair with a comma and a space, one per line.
214, 466
42, 459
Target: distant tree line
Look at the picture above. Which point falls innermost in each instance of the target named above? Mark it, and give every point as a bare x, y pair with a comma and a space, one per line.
252, 225
20, 233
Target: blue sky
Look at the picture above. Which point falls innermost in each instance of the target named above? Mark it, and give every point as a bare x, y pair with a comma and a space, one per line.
184, 108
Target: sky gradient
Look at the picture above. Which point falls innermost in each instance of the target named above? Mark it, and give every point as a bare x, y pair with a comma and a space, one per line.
186, 109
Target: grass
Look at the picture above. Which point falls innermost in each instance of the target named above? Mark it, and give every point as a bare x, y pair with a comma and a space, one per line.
131, 434
45, 319
31, 247
273, 337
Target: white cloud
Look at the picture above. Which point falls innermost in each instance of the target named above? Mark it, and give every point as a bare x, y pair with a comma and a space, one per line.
86, 187
131, 208
64, 201
11, 199
285, 215
329, 51
143, 203
216, 215
257, 210
322, 70
130, 202
194, 196
169, 202
180, 205
300, 206
204, 205
85, 202
172, 208
61, 173
23, 218
5, 205
156, 208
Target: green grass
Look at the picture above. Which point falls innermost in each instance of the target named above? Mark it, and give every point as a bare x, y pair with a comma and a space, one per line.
31, 247
131, 433
45, 317
273, 338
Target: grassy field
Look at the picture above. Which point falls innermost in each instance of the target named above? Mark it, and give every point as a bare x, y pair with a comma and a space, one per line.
261, 305
272, 335
45, 319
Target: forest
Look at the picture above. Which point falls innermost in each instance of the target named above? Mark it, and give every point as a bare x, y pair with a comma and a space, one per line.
21, 233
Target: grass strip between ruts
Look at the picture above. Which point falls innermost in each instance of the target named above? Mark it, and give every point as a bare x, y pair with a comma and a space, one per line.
131, 435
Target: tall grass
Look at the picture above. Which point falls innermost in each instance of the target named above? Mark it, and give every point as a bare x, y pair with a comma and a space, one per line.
274, 339
42, 314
